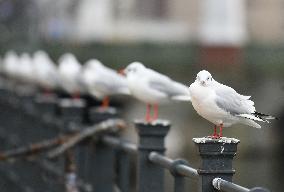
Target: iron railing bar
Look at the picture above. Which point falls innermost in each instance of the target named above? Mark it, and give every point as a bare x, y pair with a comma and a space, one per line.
187, 171
159, 159
110, 125
167, 163
123, 145
226, 186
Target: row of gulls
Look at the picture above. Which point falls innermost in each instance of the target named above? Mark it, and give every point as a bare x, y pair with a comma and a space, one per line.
218, 103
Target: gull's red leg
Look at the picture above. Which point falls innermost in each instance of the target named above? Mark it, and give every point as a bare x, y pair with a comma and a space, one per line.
156, 112
47, 91
105, 102
76, 95
148, 117
221, 130
215, 135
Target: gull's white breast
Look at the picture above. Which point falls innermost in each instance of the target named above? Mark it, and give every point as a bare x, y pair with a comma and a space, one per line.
203, 101
140, 88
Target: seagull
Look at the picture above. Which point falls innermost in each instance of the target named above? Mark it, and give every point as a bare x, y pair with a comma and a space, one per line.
10, 64
26, 68
69, 70
222, 105
45, 70
153, 88
102, 81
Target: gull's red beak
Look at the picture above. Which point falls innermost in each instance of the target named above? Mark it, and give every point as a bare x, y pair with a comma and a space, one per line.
121, 72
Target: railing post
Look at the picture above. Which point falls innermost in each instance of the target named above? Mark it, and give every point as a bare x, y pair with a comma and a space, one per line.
123, 178
46, 107
179, 180
151, 138
26, 98
72, 111
101, 158
216, 160
46, 104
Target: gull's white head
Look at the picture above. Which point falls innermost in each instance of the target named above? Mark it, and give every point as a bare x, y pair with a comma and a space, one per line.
204, 78
40, 54
67, 58
133, 68
93, 64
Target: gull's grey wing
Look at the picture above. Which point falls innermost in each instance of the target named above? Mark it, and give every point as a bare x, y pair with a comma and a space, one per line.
169, 87
106, 86
112, 86
229, 100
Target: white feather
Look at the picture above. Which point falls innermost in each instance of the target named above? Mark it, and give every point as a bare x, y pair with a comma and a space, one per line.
252, 117
181, 98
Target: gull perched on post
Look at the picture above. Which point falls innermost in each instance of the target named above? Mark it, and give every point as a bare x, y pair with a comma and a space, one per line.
46, 73
222, 105
153, 88
10, 64
101, 81
69, 70
26, 69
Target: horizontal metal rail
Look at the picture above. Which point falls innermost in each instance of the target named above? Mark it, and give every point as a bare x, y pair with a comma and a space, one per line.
170, 164
226, 186
120, 144
111, 125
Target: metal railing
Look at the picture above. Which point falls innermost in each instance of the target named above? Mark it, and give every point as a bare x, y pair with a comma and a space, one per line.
79, 148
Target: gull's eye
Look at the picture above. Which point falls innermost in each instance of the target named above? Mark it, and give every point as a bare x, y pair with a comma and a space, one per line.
208, 78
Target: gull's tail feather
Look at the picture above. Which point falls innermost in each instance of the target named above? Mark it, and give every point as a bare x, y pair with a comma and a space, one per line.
251, 117
124, 91
256, 116
264, 116
251, 123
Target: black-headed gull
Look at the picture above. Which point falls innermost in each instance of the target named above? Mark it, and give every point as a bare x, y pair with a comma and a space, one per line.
46, 73
222, 105
153, 88
102, 81
10, 64
26, 68
69, 70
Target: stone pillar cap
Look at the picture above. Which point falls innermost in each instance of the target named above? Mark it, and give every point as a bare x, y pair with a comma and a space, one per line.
153, 123
204, 140
72, 103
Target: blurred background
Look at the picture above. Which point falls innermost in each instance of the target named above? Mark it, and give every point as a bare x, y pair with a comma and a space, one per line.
240, 42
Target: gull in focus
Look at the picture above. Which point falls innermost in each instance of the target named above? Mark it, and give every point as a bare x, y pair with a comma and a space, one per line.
101, 81
222, 105
69, 70
153, 88
45, 71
